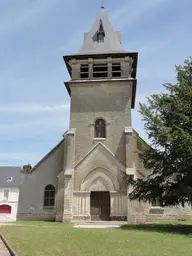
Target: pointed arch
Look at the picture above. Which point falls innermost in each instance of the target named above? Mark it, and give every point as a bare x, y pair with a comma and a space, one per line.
99, 179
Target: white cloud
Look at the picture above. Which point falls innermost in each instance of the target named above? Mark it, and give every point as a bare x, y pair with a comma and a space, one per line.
31, 108
21, 157
34, 131
71, 45
142, 98
46, 122
27, 16
133, 10
30, 121
137, 122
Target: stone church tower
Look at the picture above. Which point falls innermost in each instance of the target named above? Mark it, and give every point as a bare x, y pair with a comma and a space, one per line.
98, 143
83, 177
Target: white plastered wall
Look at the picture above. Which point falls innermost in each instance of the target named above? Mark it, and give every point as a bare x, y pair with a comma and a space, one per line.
12, 200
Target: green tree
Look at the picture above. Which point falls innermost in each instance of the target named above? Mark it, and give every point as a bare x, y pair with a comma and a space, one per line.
168, 123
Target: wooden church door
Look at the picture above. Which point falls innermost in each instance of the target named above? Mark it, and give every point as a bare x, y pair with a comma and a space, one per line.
100, 206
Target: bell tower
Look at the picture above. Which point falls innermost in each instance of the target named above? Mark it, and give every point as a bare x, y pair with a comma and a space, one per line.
102, 89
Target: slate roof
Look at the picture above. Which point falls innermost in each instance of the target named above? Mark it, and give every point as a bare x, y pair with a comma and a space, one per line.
10, 176
112, 40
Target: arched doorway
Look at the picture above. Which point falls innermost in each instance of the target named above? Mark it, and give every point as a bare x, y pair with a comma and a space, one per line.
5, 209
99, 182
100, 205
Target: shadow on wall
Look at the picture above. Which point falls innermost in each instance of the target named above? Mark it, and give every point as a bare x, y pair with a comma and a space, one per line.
174, 228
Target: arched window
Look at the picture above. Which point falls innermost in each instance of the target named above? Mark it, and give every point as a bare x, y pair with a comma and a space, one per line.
100, 33
100, 37
100, 128
5, 209
49, 196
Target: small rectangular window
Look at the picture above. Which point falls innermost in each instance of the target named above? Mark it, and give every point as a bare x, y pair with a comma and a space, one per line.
100, 70
116, 69
84, 71
6, 194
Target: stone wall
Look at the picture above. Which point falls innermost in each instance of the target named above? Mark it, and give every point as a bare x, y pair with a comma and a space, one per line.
31, 197
108, 100
144, 212
37, 216
170, 213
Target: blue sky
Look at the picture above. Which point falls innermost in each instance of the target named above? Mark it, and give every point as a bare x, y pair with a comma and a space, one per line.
34, 35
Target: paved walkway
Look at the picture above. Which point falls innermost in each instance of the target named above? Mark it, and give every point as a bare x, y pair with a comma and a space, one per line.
3, 249
98, 224
95, 226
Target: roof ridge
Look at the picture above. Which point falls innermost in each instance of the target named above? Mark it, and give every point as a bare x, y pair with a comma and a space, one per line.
9, 166
48, 154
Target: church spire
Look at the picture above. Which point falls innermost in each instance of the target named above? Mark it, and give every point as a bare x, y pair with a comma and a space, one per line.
102, 38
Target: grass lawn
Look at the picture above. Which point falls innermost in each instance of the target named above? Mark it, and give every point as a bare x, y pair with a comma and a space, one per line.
58, 239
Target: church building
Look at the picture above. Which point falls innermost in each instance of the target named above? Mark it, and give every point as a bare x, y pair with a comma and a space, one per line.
84, 176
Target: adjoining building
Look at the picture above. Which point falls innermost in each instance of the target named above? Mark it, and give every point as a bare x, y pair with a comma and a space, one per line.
84, 176
10, 182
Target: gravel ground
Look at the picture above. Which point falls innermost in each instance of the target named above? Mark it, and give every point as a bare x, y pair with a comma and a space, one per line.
3, 249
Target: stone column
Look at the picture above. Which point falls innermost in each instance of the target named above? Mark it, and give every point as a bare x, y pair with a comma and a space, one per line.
113, 195
82, 205
130, 207
127, 67
90, 63
75, 69
136, 210
109, 62
68, 197
60, 197
129, 171
118, 205
68, 174
129, 150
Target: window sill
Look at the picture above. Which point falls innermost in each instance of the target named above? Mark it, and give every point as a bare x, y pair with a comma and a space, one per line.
99, 139
48, 208
156, 207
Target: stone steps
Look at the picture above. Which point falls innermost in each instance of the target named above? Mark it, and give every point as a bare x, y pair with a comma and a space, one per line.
98, 224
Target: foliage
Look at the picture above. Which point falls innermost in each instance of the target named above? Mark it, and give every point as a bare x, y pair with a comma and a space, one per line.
168, 123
